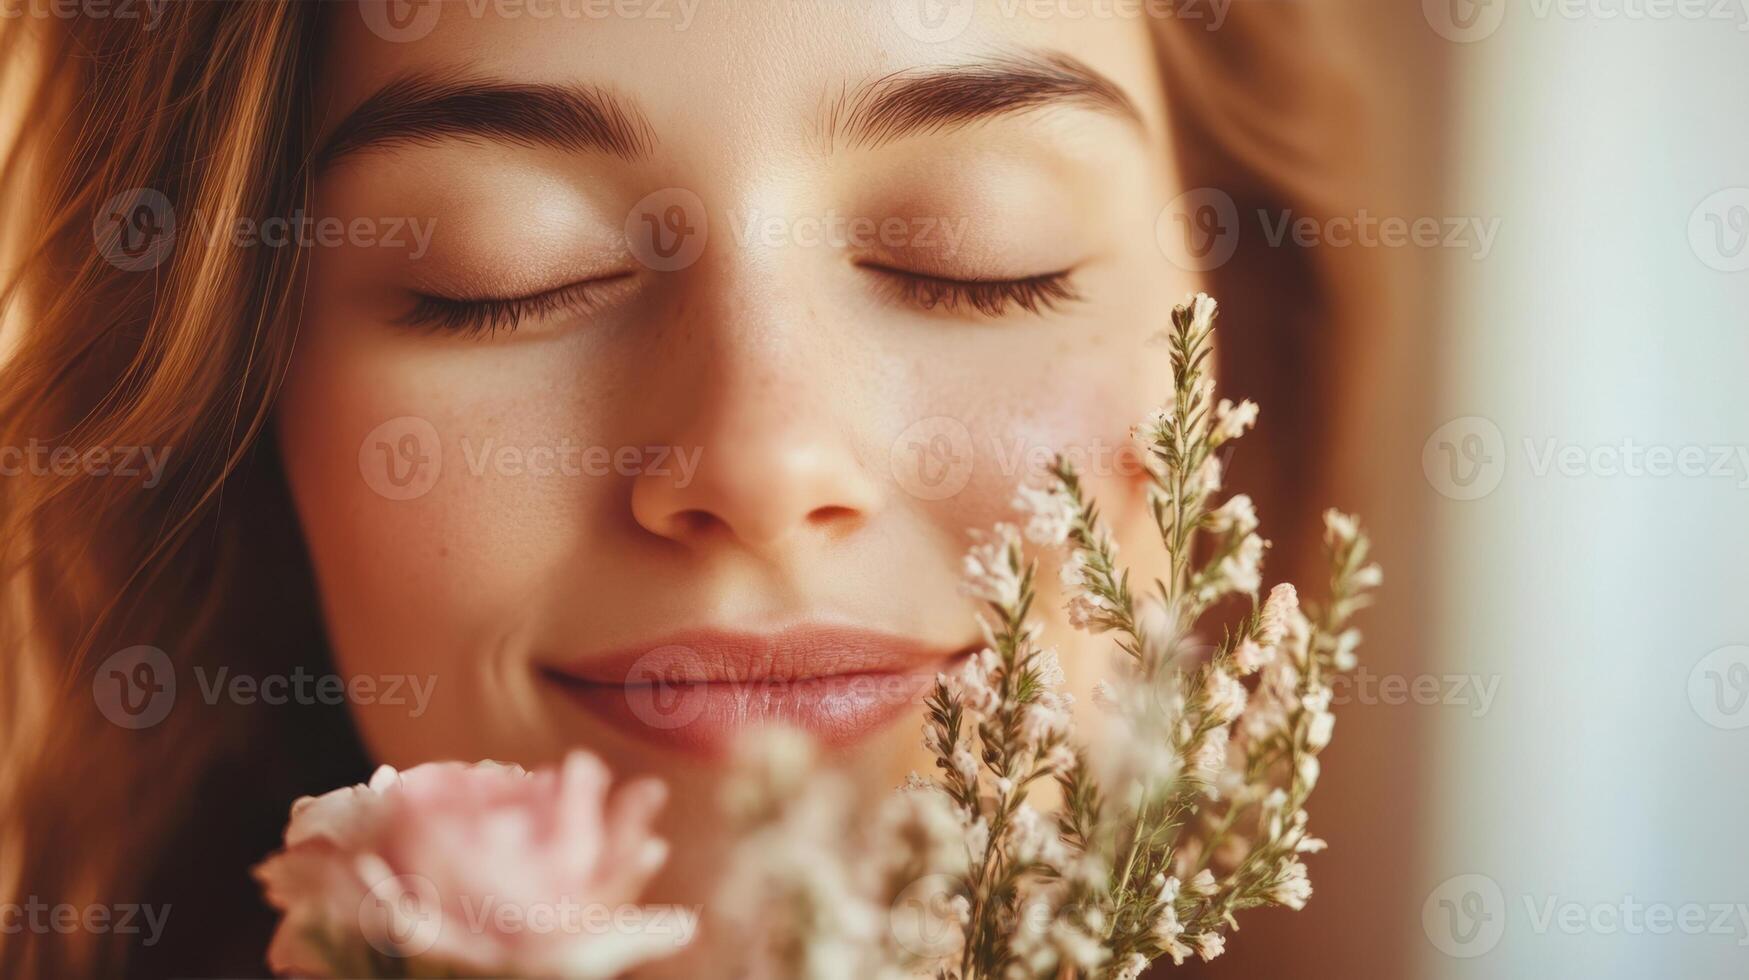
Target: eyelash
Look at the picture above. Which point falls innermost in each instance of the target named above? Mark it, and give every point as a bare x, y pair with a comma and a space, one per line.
990, 297
476, 317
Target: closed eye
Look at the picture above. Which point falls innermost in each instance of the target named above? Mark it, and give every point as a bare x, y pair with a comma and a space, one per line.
989, 297
487, 315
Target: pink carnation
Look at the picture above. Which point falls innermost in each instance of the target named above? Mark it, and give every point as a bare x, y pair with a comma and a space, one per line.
485, 868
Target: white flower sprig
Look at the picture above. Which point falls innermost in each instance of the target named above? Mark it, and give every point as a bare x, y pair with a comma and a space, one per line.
1195, 808
997, 727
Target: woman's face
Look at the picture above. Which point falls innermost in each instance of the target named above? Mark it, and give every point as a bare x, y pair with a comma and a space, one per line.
733, 318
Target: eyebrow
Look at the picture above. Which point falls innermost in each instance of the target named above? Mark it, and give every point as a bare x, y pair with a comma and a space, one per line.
919, 101
423, 109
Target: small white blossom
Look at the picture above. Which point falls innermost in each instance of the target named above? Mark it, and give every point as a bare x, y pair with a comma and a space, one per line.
989, 573
1210, 755
1249, 656
1347, 642
1048, 666
973, 682
1132, 967
1319, 729
1339, 529
1050, 513
1239, 571
1226, 697
1203, 885
1237, 514
1272, 623
1158, 420
1040, 723
965, 764
1169, 888
1167, 930
1292, 889
1209, 945
1072, 573
1060, 758
1231, 420
1081, 950
1086, 608
1202, 311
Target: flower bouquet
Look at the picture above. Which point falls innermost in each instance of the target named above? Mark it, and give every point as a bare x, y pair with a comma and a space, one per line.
1025, 856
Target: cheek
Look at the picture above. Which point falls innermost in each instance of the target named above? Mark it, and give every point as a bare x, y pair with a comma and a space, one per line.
440, 491
1077, 398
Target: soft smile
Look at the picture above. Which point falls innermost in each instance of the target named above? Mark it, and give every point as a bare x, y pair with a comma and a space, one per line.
697, 690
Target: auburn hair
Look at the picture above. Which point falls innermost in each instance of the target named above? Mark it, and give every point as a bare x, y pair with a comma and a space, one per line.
209, 108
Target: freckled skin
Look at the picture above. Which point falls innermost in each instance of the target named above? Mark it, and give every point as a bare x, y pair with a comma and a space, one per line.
791, 373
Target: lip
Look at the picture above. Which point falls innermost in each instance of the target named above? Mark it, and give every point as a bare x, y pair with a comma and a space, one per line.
697, 690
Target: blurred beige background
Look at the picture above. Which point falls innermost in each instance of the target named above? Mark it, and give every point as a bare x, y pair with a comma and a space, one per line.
1545, 429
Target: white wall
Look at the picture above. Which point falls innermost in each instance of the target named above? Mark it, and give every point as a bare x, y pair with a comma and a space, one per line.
1596, 779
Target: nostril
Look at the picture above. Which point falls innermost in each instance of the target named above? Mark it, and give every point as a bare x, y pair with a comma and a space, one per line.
694, 522
832, 514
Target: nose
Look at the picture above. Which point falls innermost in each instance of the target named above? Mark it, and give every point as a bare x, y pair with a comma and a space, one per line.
773, 467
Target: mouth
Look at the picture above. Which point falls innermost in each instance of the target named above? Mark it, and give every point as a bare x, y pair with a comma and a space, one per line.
696, 691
